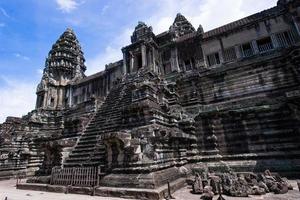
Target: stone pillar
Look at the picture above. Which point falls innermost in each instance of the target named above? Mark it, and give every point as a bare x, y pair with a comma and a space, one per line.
255, 47
107, 84
45, 99
221, 56
150, 58
174, 61
124, 63
37, 101
238, 52
274, 41
144, 56
60, 97
296, 21
70, 96
153, 60
131, 62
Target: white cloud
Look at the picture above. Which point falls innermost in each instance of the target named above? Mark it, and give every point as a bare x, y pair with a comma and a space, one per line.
17, 98
67, 5
112, 53
104, 9
40, 72
4, 13
21, 56
209, 13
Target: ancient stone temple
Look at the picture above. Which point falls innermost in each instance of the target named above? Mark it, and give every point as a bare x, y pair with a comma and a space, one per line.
183, 97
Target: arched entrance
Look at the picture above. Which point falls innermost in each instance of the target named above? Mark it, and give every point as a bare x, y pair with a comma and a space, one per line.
115, 152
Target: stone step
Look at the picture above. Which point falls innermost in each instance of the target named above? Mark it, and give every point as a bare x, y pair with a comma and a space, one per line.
87, 154
82, 146
89, 164
83, 142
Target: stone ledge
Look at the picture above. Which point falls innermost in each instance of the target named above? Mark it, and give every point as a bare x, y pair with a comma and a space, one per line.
130, 193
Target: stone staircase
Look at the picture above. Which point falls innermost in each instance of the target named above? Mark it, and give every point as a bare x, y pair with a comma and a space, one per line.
89, 151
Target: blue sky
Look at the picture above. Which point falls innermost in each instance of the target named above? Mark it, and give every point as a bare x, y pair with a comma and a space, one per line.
28, 28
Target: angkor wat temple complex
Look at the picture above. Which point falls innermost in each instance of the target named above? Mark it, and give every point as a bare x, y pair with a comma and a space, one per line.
185, 96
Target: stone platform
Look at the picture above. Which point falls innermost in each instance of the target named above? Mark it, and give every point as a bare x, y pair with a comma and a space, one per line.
8, 189
128, 193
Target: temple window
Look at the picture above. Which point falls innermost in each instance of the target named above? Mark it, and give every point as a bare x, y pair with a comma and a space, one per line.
66, 101
188, 65
75, 100
265, 44
40, 100
213, 59
138, 61
247, 50
166, 55
167, 68
229, 54
285, 39
52, 102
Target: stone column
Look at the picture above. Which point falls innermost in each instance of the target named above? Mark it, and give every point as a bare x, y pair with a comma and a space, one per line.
153, 60
221, 52
45, 99
54, 95
274, 41
174, 61
131, 62
237, 52
255, 47
70, 96
107, 83
221, 56
124, 63
60, 98
150, 58
297, 24
144, 56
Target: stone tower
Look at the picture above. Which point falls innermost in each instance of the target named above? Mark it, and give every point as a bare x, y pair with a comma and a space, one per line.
65, 64
181, 26
142, 53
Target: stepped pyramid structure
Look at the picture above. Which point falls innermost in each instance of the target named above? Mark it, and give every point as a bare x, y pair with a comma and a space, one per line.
177, 100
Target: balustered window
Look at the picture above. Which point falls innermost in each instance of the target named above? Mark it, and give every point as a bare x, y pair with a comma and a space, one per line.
265, 44
285, 39
213, 59
229, 54
247, 50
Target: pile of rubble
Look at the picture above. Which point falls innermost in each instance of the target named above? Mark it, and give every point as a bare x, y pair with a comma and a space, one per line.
238, 184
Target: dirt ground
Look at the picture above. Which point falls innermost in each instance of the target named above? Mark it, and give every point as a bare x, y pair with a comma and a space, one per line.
8, 189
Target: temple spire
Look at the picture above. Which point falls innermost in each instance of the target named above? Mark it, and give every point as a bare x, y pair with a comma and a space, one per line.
181, 26
64, 64
66, 57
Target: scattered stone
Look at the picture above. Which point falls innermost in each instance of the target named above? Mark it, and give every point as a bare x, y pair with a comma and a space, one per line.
241, 184
197, 185
214, 181
261, 184
256, 190
207, 193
